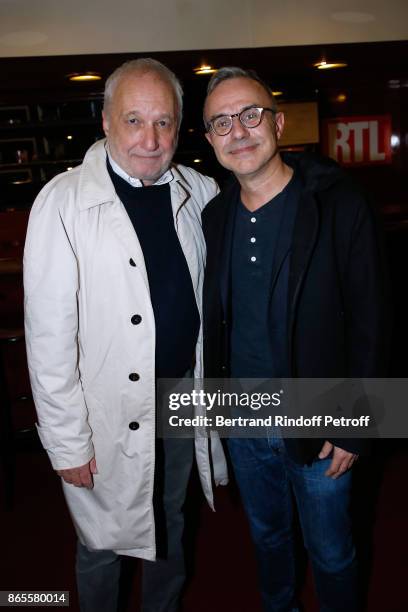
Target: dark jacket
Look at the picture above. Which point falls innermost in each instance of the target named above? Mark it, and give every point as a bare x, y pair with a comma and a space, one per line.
335, 313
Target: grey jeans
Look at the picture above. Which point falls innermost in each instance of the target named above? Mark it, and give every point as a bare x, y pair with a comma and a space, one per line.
98, 572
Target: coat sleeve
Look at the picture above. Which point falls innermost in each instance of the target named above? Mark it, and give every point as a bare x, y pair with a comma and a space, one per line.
365, 309
365, 299
51, 327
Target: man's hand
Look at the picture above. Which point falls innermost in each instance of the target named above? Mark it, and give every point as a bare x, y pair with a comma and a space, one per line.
80, 476
341, 462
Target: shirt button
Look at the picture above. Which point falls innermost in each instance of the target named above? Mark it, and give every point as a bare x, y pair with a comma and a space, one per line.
134, 376
136, 319
253, 258
132, 263
253, 239
253, 219
133, 425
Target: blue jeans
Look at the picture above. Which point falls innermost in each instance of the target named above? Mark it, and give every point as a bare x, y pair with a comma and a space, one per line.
269, 481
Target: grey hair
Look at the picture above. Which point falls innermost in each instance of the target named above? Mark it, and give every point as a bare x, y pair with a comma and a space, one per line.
234, 72
143, 65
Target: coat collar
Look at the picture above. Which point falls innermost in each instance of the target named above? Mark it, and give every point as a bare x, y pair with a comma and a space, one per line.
95, 186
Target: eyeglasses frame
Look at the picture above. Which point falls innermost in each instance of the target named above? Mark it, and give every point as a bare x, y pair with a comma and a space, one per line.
262, 109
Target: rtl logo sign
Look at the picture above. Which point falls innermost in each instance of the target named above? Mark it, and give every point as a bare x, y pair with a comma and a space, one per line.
354, 141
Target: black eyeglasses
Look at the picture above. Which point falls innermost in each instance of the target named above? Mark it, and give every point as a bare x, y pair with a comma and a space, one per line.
249, 117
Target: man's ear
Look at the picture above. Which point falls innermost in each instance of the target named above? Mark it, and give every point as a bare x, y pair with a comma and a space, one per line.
279, 124
208, 137
105, 123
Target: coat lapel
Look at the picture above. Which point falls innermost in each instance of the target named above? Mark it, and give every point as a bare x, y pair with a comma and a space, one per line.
120, 223
283, 245
304, 239
227, 232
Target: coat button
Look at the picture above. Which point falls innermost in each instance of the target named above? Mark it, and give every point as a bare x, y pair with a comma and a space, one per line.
223, 322
136, 319
133, 376
132, 263
224, 368
133, 425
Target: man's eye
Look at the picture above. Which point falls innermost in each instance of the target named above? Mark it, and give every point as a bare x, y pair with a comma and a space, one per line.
133, 120
222, 122
164, 123
251, 114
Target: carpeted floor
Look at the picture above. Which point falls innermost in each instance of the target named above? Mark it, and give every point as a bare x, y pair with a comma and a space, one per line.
38, 541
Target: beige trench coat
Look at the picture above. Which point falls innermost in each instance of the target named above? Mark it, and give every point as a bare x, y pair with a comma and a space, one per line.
84, 278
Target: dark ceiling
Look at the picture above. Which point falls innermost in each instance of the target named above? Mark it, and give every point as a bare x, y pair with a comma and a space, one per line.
287, 68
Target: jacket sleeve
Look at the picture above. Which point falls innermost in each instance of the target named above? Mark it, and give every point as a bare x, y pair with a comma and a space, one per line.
51, 327
365, 309
365, 299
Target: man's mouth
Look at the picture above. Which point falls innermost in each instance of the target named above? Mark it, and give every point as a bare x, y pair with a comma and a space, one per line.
144, 156
247, 148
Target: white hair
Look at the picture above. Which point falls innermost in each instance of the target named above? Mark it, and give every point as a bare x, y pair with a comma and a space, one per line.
143, 65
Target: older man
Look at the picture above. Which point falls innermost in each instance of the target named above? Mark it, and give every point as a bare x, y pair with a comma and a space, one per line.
292, 288
113, 271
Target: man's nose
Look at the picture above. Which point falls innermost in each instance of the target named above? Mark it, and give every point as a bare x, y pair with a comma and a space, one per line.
238, 130
150, 140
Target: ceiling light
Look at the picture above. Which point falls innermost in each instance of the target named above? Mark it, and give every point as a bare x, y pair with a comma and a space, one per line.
69, 137
205, 69
323, 65
21, 182
341, 98
197, 161
81, 77
277, 93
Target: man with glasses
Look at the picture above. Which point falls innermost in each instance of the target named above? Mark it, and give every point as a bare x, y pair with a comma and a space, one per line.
292, 289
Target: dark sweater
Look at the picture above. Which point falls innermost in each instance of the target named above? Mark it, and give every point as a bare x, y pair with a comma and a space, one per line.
174, 305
